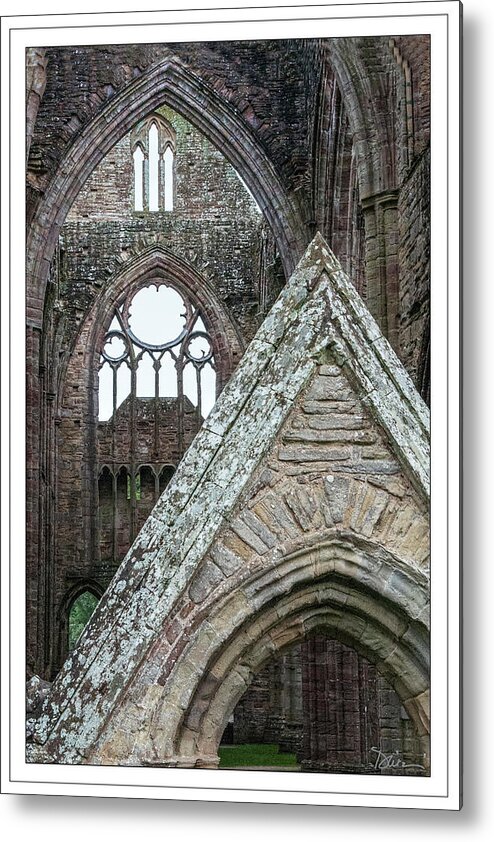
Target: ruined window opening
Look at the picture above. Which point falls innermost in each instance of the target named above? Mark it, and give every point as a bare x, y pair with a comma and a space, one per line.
165, 476
154, 164
157, 347
136, 492
138, 179
153, 148
157, 383
168, 167
79, 615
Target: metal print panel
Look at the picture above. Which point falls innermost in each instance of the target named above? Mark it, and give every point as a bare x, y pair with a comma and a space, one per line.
240, 551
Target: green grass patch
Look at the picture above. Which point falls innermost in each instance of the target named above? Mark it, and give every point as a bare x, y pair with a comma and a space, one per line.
254, 754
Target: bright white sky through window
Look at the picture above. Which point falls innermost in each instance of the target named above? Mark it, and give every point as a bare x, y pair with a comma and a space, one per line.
168, 166
157, 315
138, 171
154, 166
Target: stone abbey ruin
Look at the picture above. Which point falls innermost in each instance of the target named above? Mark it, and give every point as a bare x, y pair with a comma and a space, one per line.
228, 292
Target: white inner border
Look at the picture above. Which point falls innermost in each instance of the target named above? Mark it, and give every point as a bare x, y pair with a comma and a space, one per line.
441, 21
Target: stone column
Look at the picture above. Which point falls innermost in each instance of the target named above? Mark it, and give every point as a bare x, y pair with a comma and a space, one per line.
339, 697
381, 261
36, 64
292, 719
397, 735
35, 593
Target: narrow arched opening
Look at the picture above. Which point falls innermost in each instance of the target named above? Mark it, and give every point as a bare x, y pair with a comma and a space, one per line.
80, 613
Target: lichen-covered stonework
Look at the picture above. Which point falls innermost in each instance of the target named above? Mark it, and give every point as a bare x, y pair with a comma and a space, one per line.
303, 494
273, 140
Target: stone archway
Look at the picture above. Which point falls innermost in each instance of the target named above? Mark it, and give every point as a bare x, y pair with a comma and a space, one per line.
78, 496
159, 264
321, 706
259, 537
84, 586
166, 82
339, 586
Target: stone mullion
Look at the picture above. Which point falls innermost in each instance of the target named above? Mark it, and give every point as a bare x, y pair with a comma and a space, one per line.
114, 466
161, 177
115, 515
156, 365
180, 406
90, 479
133, 393
145, 182
199, 394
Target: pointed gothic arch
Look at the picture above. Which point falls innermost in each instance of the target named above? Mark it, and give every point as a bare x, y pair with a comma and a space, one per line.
165, 83
338, 587
77, 590
106, 543
320, 594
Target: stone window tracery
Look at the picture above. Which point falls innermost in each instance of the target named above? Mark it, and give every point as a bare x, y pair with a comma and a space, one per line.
157, 346
157, 383
153, 143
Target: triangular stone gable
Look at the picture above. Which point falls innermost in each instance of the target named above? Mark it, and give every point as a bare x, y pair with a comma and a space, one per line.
329, 476
318, 393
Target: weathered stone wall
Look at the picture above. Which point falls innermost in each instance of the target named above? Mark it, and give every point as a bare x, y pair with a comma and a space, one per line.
327, 704
331, 470
397, 736
412, 293
118, 431
416, 52
215, 227
340, 708
302, 501
414, 258
36, 62
257, 716
385, 85
292, 99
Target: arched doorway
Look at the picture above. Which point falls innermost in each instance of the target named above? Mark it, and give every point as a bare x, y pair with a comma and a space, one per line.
321, 706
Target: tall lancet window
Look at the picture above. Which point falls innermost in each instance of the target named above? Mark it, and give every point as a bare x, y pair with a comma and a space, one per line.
153, 148
138, 179
168, 170
154, 169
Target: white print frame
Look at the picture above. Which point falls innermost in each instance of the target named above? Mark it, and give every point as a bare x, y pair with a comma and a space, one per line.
442, 21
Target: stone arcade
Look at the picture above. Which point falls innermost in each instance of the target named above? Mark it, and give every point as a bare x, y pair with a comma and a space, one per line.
261, 565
